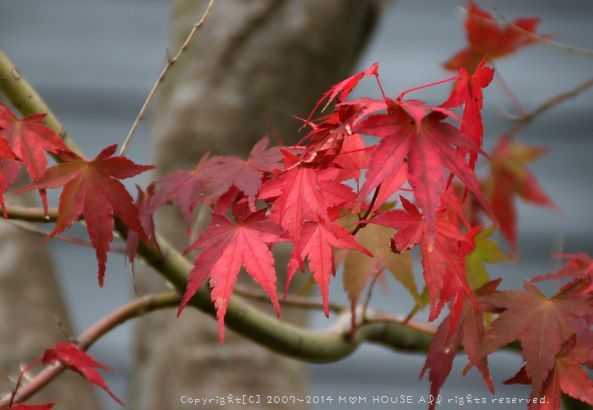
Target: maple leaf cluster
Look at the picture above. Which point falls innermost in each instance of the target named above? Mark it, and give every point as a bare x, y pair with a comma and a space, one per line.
554, 333
303, 194
91, 188
371, 180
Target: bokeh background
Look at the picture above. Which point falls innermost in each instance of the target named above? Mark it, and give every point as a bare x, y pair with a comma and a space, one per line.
94, 62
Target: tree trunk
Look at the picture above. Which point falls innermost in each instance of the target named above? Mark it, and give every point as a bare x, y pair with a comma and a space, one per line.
30, 302
253, 65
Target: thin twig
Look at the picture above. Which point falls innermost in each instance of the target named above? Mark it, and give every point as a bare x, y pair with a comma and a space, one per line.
30, 214
170, 62
368, 212
65, 238
528, 117
369, 295
507, 90
63, 330
584, 52
131, 310
302, 302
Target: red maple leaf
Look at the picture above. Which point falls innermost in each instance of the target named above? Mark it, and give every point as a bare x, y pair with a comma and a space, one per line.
332, 140
410, 135
468, 91
29, 140
443, 260
24, 406
223, 172
227, 245
543, 325
92, 189
353, 157
316, 243
467, 332
72, 357
187, 187
5, 150
303, 193
6, 154
341, 90
568, 376
509, 178
579, 266
488, 40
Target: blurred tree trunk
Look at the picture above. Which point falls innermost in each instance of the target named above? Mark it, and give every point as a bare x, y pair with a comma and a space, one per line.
30, 302
253, 65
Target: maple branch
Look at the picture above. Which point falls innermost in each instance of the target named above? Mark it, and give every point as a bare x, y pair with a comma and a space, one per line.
420, 87
25, 99
584, 52
302, 302
31, 214
74, 240
136, 308
170, 62
528, 117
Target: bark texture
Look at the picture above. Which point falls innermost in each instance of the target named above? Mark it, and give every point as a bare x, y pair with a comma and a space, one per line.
252, 66
30, 300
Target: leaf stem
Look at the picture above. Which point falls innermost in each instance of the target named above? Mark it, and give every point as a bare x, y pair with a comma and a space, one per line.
419, 87
368, 211
74, 240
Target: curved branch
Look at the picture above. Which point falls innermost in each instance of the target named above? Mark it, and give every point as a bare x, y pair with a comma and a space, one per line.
131, 310
74, 240
282, 337
29, 214
379, 328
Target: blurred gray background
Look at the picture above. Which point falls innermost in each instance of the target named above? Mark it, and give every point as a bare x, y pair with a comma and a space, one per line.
94, 62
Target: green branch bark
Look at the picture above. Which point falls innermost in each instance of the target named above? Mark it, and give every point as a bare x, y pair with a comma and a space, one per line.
281, 337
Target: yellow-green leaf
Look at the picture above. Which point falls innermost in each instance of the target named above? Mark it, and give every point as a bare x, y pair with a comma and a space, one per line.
486, 251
